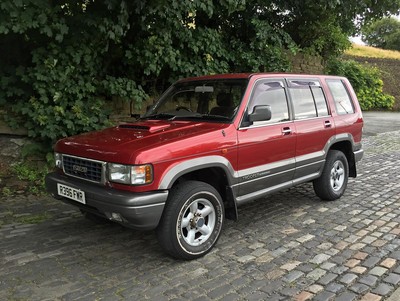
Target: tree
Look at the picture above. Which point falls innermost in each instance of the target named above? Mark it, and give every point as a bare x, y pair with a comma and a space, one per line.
60, 62
383, 33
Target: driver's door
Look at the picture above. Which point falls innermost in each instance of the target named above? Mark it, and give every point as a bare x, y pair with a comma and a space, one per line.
266, 149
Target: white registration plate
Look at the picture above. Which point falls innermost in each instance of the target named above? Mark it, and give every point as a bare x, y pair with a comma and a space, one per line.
71, 193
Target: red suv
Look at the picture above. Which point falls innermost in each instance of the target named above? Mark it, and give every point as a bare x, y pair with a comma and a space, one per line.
208, 145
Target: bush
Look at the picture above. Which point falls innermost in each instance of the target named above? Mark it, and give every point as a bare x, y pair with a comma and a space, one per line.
66, 59
366, 81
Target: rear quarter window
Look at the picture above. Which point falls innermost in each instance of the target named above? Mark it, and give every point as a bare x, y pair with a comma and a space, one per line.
341, 97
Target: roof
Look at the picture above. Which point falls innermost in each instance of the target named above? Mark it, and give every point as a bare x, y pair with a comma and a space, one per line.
248, 75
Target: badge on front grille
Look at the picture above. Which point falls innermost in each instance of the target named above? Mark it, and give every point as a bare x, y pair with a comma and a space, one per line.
78, 168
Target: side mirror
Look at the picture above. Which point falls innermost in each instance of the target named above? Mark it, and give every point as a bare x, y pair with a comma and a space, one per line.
260, 113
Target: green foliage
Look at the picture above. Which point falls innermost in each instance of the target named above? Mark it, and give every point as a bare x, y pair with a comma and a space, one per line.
56, 78
366, 82
10, 217
61, 62
383, 33
33, 218
33, 174
30, 173
6, 192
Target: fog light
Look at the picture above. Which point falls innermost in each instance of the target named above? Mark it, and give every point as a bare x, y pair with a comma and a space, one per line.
116, 217
58, 160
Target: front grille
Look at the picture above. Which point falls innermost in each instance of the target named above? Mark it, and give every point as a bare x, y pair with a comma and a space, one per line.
83, 168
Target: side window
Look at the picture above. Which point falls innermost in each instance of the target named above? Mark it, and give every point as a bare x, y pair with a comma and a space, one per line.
320, 101
341, 97
303, 102
308, 99
270, 93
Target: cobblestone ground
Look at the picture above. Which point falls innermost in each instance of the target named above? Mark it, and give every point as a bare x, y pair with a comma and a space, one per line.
288, 246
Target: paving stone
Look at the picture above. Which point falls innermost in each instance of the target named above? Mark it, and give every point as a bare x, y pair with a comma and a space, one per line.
328, 266
285, 246
378, 271
339, 269
272, 286
292, 276
220, 291
274, 274
382, 289
352, 263
358, 270
328, 278
304, 295
392, 278
379, 243
324, 296
290, 265
305, 238
346, 296
315, 288
359, 288
369, 280
316, 274
231, 297
348, 279
256, 296
388, 263
320, 258
371, 297
371, 261
334, 287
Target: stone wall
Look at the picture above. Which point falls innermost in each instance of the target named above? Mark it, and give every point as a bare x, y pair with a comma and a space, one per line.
302, 63
5, 129
390, 74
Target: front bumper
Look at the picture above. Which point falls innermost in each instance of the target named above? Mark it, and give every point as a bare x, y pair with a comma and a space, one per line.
138, 210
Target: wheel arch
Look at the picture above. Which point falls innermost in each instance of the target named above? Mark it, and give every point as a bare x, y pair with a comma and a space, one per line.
214, 170
346, 147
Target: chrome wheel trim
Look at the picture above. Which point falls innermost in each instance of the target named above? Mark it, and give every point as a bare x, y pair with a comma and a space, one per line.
197, 221
337, 177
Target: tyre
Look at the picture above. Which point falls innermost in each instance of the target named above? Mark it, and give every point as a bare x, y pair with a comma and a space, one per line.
332, 183
192, 220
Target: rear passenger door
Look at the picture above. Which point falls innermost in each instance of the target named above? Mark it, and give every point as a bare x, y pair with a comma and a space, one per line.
314, 126
347, 120
266, 148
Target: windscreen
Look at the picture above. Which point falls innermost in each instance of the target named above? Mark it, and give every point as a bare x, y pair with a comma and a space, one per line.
211, 100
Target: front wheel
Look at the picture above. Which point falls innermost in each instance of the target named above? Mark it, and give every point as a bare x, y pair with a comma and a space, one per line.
333, 181
192, 220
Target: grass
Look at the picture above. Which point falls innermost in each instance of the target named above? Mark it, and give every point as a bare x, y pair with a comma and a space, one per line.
33, 219
368, 51
10, 217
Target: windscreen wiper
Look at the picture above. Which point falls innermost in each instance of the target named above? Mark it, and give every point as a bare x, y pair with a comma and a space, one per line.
167, 116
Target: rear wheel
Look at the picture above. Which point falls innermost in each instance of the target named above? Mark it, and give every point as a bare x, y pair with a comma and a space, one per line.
333, 181
192, 220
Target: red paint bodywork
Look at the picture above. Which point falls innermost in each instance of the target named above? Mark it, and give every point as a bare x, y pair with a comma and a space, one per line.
164, 143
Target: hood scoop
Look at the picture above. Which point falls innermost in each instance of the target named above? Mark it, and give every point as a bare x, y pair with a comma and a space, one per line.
142, 127
134, 127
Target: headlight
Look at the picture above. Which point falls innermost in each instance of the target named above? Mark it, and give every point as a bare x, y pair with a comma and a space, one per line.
58, 160
130, 174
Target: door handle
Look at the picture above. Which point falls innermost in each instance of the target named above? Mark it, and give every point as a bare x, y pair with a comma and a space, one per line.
286, 131
328, 123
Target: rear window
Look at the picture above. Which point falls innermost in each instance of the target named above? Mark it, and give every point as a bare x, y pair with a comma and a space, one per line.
343, 102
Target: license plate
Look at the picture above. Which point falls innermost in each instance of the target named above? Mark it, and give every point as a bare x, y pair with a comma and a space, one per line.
71, 193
